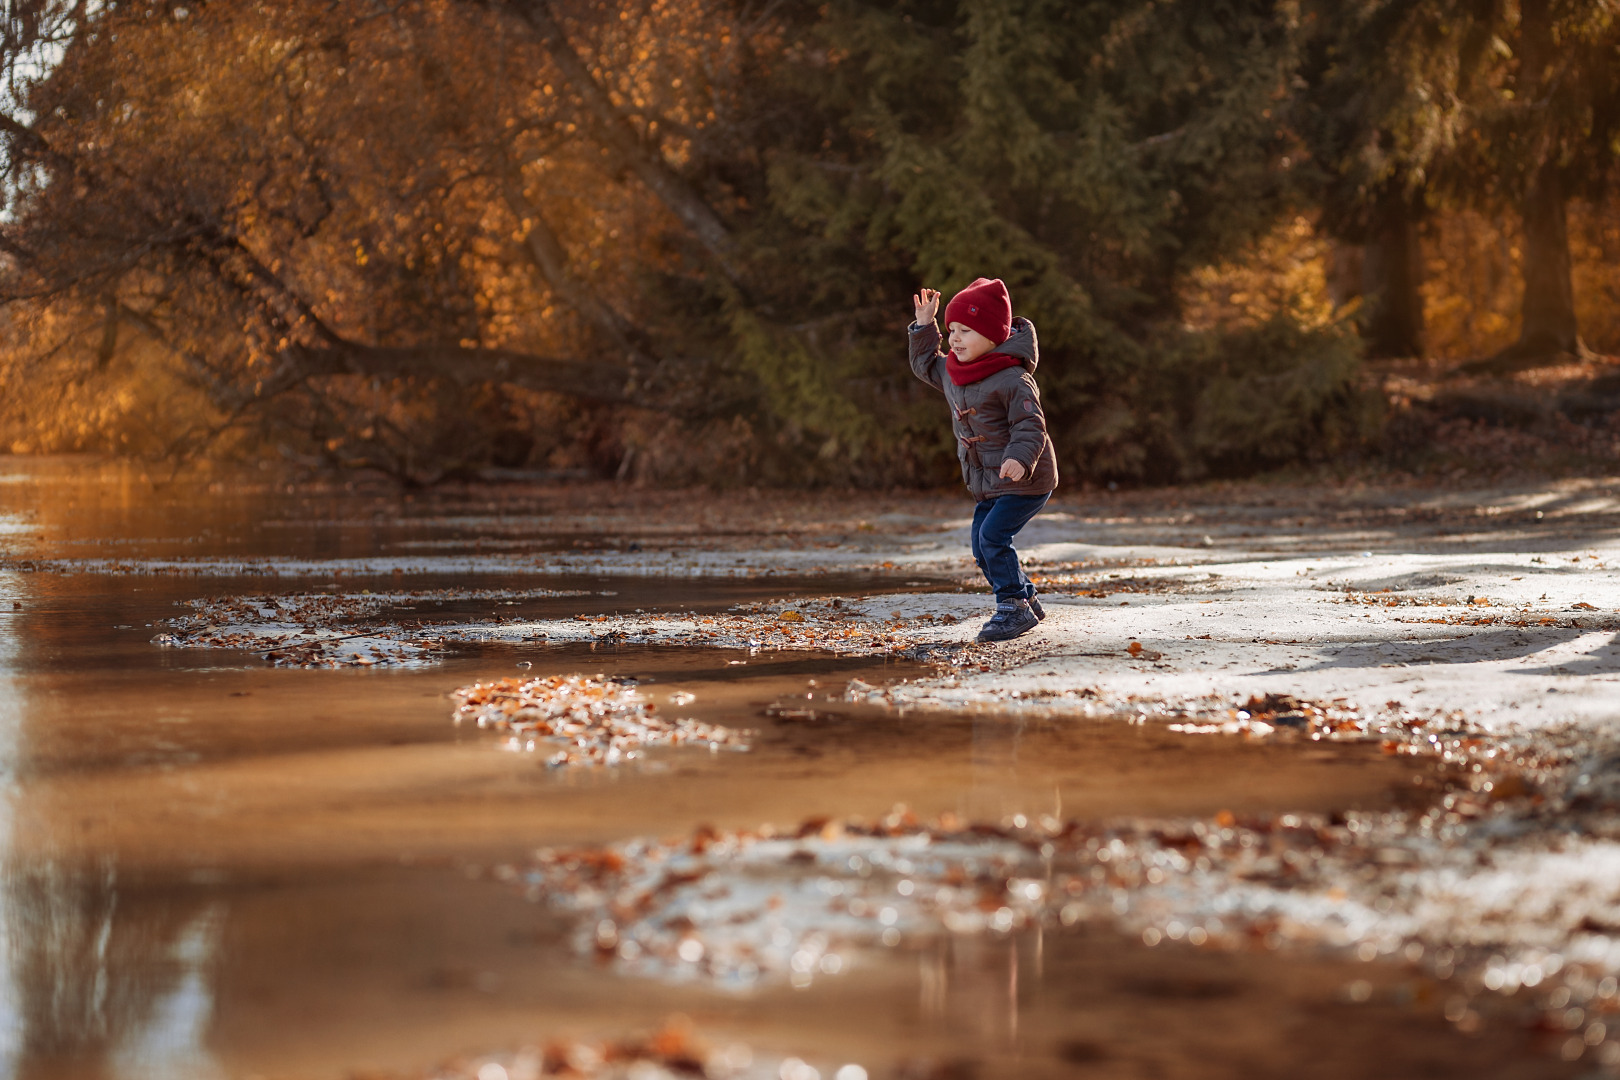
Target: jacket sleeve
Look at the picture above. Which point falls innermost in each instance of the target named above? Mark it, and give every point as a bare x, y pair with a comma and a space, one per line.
927, 363
1026, 424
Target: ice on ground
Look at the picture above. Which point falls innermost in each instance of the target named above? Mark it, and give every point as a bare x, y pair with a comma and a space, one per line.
314, 630
319, 629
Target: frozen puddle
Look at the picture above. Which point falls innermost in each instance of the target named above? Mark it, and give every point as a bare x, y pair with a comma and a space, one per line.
320, 629
365, 628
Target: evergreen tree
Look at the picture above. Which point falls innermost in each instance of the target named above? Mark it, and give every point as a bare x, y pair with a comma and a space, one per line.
1092, 154
1476, 103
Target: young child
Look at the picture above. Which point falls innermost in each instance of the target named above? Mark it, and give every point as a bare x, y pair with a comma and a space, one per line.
987, 377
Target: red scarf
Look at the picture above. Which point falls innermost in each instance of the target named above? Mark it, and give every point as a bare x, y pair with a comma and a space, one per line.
982, 368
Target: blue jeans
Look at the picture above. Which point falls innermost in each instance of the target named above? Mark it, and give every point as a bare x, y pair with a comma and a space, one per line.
995, 523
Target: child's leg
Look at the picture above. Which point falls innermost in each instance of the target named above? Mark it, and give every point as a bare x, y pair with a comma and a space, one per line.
980, 512
994, 549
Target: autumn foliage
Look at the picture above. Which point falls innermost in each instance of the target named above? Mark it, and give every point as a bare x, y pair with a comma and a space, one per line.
673, 240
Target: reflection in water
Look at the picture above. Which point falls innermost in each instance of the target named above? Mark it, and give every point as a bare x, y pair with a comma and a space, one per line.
12, 936
59, 927
90, 984
995, 789
169, 1045
98, 985
1000, 787
972, 984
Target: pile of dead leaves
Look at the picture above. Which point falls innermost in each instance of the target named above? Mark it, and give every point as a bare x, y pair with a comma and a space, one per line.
596, 720
675, 1050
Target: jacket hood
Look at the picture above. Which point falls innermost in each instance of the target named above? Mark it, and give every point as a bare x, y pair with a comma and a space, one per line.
1022, 344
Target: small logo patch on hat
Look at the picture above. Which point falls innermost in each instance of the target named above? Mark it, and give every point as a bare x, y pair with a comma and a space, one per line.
972, 309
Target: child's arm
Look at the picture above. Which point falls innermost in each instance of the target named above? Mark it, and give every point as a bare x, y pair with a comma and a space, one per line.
1026, 430
927, 363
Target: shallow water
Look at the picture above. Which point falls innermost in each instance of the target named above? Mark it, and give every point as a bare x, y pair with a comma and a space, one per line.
212, 867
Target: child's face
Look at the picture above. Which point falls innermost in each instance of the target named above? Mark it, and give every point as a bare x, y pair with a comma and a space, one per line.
968, 344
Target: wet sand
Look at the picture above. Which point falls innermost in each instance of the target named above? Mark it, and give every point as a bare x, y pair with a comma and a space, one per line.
384, 973
216, 868
199, 782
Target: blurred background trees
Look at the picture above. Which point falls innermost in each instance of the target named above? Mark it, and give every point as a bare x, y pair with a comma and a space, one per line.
675, 240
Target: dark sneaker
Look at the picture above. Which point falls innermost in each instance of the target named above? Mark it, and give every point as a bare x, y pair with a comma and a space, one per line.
1035, 606
1012, 619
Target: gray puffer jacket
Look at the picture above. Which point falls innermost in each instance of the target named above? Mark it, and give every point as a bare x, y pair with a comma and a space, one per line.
995, 418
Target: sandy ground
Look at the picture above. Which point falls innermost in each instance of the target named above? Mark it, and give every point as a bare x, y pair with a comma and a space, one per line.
1502, 604
1506, 617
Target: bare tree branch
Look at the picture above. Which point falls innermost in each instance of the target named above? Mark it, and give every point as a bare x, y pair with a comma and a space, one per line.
547, 254
623, 140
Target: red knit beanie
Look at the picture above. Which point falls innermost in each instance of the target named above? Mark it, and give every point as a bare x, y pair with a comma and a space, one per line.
983, 306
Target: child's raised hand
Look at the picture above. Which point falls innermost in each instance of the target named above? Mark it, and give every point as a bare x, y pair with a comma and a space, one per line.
1012, 469
927, 305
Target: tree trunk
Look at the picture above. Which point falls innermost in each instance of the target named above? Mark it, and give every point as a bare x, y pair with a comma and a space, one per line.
1548, 327
1392, 280
1344, 272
